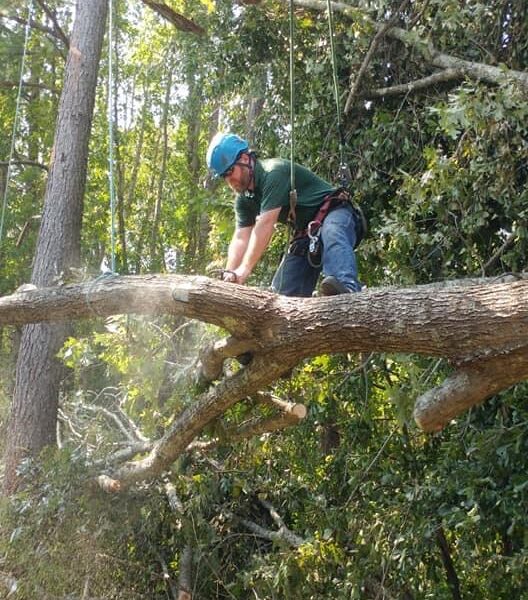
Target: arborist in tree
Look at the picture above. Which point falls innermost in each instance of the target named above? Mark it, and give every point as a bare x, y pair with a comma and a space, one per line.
326, 226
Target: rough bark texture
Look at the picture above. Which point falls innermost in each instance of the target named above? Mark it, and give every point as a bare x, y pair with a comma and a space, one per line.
481, 326
34, 409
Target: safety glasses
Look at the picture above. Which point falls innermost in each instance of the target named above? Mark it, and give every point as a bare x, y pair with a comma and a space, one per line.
232, 168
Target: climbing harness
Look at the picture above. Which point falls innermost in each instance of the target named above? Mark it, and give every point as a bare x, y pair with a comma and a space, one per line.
17, 115
312, 232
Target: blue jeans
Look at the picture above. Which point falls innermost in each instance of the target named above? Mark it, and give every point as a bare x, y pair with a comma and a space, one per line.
297, 277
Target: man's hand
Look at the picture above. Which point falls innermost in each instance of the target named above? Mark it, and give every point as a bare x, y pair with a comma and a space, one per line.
229, 276
241, 273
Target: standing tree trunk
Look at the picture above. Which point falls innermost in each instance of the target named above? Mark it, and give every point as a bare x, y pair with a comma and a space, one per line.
32, 424
156, 252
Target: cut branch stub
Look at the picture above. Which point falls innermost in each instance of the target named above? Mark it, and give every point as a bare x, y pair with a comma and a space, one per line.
468, 386
212, 358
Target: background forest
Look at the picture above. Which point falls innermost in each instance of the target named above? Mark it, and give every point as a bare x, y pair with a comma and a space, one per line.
355, 502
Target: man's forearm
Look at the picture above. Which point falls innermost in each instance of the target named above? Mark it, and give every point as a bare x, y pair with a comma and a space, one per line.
258, 242
235, 253
237, 247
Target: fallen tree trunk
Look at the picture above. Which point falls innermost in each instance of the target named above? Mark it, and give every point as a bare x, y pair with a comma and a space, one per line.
461, 320
480, 326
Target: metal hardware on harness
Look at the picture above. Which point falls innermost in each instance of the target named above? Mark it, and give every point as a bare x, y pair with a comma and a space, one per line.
344, 176
313, 231
313, 235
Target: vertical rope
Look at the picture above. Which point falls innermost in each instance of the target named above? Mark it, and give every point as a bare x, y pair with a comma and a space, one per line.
17, 114
111, 134
292, 97
334, 76
293, 191
344, 172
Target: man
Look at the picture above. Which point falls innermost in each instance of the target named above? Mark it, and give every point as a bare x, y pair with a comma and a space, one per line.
263, 199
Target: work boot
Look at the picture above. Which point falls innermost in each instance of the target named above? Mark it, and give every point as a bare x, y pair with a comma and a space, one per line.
245, 359
330, 286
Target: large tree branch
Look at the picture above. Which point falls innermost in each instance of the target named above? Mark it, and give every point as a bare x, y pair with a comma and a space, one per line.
178, 20
458, 320
433, 56
469, 385
479, 325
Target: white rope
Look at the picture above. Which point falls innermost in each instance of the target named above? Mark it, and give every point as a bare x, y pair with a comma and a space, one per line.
15, 124
111, 134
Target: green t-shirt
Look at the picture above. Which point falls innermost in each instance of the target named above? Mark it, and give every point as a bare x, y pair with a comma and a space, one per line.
272, 190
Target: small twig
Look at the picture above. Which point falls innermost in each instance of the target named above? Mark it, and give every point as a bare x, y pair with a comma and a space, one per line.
372, 463
508, 243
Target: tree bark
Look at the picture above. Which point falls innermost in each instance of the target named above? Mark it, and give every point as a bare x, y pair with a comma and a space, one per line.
33, 416
155, 257
480, 326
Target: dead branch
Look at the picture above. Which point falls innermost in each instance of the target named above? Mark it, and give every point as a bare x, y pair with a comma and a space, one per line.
282, 535
124, 454
469, 385
185, 578
179, 21
433, 56
52, 16
295, 410
212, 358
380, 34
130, 435
418, 85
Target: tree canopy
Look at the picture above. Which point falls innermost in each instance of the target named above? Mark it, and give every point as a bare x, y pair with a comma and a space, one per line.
261, 480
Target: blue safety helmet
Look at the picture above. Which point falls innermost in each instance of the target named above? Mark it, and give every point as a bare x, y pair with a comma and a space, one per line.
223, 152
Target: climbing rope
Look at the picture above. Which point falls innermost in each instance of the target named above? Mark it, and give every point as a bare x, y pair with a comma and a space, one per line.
17, 114
344, 176
293, 191
111, 135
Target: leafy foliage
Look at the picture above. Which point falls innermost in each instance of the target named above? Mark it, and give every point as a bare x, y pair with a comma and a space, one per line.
442, 176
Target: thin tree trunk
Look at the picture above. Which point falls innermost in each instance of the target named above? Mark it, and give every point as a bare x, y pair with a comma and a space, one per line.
119, 167
451, 574
32, 424
198, 221
154, 241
